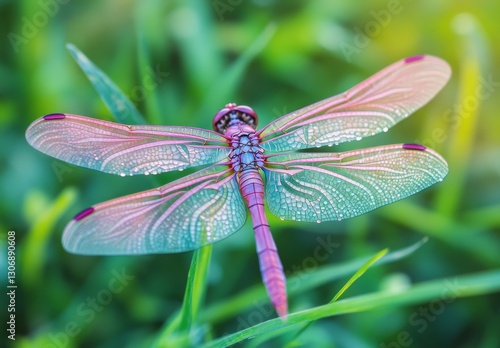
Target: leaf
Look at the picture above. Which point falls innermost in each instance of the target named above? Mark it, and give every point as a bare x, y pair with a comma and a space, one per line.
196, 285
120, 106
446, 290
229, 81
181, 329
470, 239
346, 286
359, 273
326, 274
35, 244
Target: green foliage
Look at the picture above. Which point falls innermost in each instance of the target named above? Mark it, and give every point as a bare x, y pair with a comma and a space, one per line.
177, 63
477, 284
120, 106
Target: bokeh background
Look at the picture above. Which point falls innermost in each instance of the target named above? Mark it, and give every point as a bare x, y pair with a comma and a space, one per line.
181, 61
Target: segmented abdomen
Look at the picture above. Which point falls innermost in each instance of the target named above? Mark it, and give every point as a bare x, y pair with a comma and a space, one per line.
252, 189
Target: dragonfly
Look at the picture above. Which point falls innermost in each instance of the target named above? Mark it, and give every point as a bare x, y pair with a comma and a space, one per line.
247, 169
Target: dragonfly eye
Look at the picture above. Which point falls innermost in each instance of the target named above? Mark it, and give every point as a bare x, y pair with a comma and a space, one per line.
233, 114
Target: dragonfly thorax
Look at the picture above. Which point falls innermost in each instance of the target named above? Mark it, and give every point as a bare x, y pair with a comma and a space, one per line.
233, 115
246, 151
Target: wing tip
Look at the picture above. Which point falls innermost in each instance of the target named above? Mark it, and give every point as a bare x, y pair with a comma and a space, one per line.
440, 160
414, 58
443, 65
55, 116
84, 213
417, 147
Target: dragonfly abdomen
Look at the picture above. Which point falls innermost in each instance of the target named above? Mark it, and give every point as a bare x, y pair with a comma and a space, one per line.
252, 189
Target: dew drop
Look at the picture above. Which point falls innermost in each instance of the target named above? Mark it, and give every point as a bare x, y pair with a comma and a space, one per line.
122, 174
318, 221
385, 129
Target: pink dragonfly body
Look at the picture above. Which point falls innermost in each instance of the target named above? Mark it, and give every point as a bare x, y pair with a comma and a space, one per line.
212, 203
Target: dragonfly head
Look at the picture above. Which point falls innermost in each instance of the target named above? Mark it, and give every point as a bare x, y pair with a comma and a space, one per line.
233, 114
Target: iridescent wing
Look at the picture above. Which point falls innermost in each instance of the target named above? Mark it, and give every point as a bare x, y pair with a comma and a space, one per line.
372, 106
324, 187
124, 150
186, 214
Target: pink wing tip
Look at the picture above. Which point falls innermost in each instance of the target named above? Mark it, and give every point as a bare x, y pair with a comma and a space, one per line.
414, 147
84, 213
54, 117
414, 58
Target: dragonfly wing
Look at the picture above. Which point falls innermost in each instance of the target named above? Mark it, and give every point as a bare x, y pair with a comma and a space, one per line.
372, 106
325, 187
186, 214
124, 150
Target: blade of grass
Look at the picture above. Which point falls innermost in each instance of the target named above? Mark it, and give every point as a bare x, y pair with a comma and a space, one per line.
468, 238
120, 106
32, 262
346, 286
202, 62
230, 79
177, 330
147, 19
442, 289
231, 307
465, 116
151, 98
359, 273
196, 286
486, 217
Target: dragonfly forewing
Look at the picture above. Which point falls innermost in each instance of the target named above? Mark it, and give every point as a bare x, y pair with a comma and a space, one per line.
371, 107
124, 150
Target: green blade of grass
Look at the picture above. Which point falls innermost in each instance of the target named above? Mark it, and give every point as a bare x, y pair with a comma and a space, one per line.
177, 330
201, 61
486, 217
196, 285
445, 290
228, 82
346, 286
464, 116
147, 19
120, 106
231, 307
359, 273
468, 238
35, 247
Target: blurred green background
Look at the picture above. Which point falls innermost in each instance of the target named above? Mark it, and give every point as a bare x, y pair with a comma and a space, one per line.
179, 62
